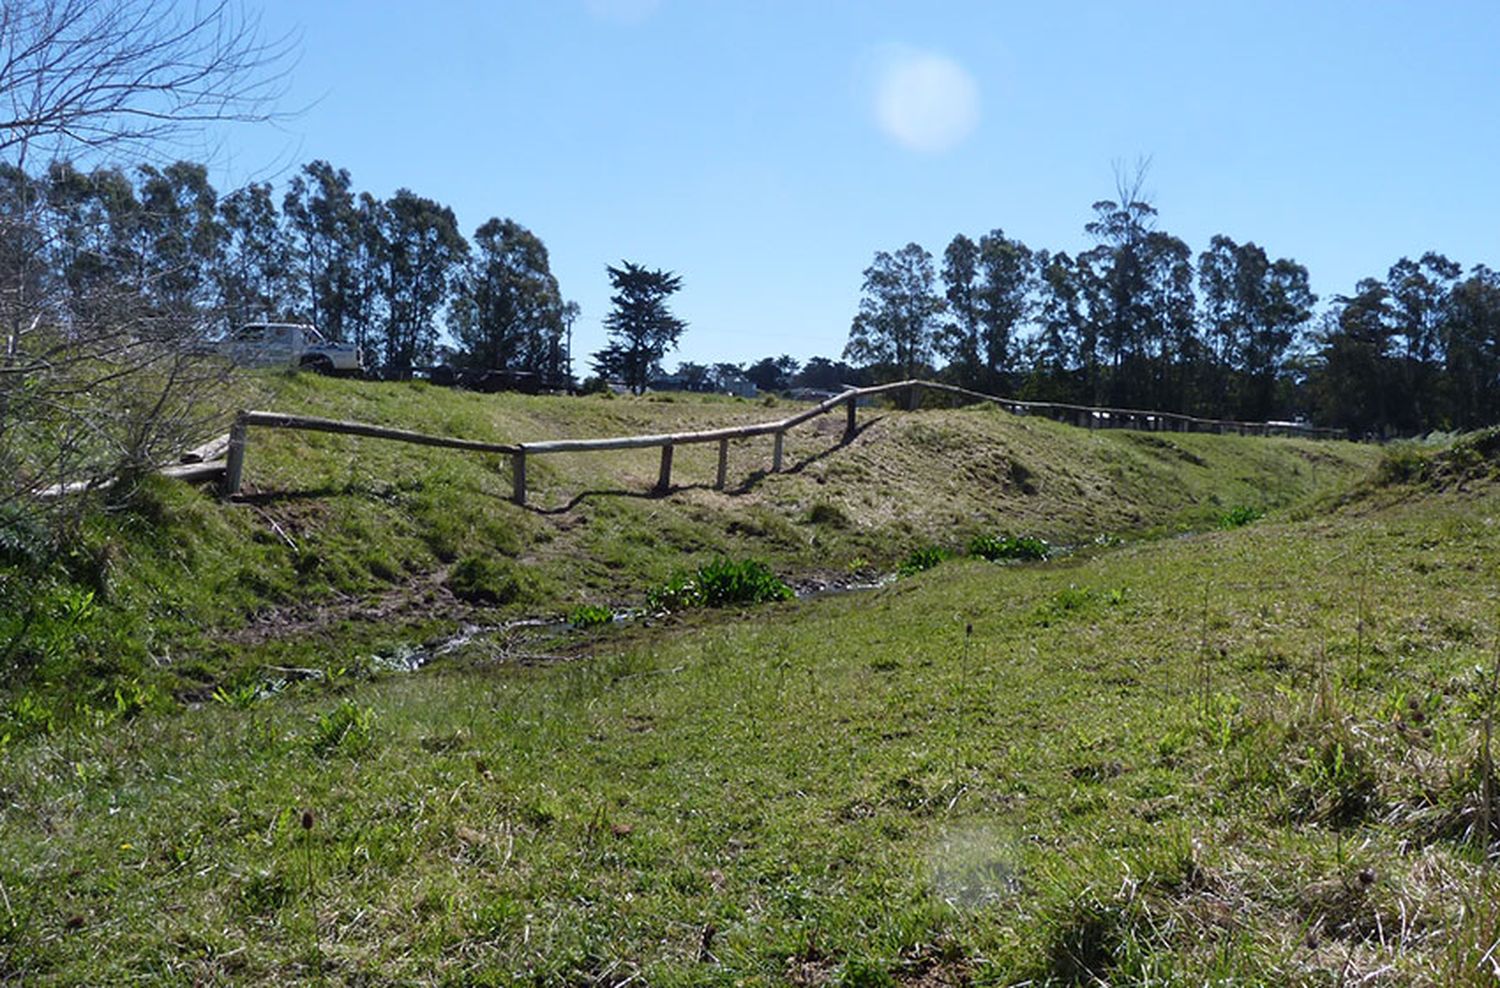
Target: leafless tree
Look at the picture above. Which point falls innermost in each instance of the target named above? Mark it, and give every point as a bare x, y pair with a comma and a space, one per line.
88, 390
128, 76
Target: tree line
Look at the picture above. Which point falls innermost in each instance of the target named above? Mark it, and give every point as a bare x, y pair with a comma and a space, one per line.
159, 245
1137, 321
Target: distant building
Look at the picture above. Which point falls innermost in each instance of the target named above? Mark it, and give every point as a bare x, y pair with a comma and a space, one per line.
738, 385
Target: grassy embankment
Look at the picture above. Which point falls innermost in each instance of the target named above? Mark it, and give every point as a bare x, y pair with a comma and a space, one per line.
1250, 756
345, 548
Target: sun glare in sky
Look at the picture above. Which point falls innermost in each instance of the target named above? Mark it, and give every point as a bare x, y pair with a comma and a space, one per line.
925, 101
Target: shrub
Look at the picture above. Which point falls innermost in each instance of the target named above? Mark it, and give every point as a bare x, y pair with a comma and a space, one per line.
922, 559
1402, 463
998, 547
719, 583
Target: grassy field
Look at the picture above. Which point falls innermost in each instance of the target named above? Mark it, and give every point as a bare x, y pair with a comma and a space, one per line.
1245, 756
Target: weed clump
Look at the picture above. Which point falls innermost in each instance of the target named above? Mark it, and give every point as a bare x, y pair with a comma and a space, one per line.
827, 513
996, 548
346, 729
1239, 517
485, 580
590, 616
720, 583
924, 558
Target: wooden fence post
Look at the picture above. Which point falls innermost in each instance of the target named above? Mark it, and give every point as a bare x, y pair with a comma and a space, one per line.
518, 477
776, 454
234, 468
723, 465
664, 479
849, 425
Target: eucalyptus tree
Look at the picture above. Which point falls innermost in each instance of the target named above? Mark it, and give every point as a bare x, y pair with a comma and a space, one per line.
255, 274
422, 257
1253, 309
508, 311
990, 290
1471, 349
895, 328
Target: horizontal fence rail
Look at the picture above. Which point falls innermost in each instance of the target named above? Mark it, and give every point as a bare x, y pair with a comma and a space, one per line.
1079, 415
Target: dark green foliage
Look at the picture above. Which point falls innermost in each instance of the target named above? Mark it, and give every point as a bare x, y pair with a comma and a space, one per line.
923, 558
1000, 547
24, 542
719, 583
1240, 516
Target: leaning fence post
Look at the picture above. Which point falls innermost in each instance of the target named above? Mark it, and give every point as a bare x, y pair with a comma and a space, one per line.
664, 480
776, 454
723, 465
518, 476
849, 427
234, 467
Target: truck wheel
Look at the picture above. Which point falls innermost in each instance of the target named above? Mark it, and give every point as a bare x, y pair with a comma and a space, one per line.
318, 365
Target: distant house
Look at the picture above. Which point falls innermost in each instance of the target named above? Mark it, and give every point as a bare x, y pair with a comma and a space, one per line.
738, 385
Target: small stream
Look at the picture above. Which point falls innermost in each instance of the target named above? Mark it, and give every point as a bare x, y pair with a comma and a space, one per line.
410, 658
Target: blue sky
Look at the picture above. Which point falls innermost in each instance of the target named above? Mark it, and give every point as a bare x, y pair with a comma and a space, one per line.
765, 150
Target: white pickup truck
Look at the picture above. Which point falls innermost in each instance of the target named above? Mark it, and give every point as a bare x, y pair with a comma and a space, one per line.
289, 344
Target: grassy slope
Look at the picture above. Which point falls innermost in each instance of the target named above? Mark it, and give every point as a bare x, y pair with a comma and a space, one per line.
348, 547
1245, 757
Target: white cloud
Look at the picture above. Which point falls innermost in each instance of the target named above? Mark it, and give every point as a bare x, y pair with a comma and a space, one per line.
622, 11
925, 101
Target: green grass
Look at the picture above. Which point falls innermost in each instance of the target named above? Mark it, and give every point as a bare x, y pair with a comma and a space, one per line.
1244, 757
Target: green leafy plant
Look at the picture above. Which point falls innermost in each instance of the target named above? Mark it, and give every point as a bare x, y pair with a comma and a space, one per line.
924, 558
347, 728
719, 583
1001, 547
590, 616
1240, 516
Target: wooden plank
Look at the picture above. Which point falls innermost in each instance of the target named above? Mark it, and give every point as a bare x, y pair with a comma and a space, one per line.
211, 450
195, 471
776, 453
850, 430
723, 475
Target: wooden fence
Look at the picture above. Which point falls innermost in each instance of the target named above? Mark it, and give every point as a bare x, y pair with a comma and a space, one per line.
519, 452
